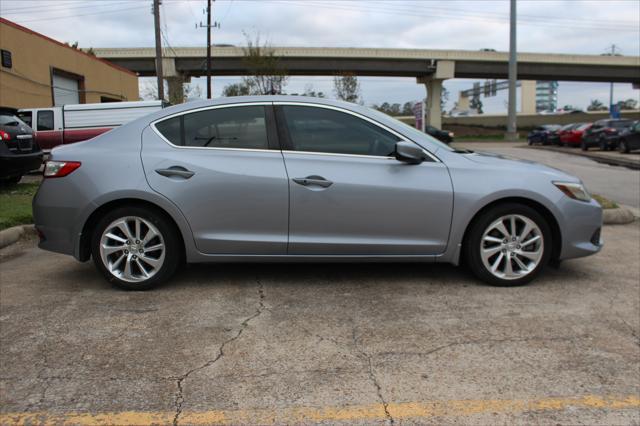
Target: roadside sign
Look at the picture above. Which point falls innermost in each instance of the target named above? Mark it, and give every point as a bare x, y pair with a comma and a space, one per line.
418, 113
614, 110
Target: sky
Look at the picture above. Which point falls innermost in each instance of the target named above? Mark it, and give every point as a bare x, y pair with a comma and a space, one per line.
564, 26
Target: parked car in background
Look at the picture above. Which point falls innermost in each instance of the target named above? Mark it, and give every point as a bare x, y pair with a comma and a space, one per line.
19, 153
291, 179
541, 134
441, 135
630, 138
604, 134
74, 123
572, 136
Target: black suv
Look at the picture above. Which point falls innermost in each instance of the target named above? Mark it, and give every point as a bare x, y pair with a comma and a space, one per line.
604, 134
19, 153
630, 138
441, 135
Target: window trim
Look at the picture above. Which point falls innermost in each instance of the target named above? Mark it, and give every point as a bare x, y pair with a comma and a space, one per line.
286, 137
153, 127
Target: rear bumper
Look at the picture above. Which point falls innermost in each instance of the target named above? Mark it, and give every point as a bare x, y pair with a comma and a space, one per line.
19, 164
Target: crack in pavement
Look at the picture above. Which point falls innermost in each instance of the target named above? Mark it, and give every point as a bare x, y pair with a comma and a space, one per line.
179, 398
372, 377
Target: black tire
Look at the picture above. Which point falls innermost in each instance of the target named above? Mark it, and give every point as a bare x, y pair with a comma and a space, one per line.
603, 145
530, 142
474, 236
584, 146
172, 243
623, 146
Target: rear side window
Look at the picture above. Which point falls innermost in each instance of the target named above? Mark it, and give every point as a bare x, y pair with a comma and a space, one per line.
45, 120
232, 127
314, 129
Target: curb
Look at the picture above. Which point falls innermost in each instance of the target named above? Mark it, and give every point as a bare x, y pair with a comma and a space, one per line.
11, 235
605, 159
619, 216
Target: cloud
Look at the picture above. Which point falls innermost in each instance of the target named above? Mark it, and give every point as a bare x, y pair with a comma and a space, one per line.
569, 26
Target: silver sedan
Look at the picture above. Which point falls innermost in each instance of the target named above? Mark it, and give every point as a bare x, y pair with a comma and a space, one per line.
296, 179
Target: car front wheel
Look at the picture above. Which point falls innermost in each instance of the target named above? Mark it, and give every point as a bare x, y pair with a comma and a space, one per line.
623, 147
135, 248
508, 245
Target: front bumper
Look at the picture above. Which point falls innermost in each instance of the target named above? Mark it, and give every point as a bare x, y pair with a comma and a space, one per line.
19, 164
581, 228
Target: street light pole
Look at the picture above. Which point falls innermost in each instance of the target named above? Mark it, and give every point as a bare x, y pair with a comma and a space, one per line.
512, 134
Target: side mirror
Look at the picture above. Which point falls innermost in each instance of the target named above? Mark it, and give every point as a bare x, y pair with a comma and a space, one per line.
409, 153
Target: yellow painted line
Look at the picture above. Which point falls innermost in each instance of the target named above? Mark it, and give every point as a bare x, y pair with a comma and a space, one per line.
403, 410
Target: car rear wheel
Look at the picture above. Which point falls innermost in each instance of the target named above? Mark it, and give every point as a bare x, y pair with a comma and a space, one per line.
623, 146
603, 145
508, 245
584, 146
135, 248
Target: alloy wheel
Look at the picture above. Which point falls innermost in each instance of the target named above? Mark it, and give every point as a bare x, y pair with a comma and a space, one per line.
512, 247
132, 249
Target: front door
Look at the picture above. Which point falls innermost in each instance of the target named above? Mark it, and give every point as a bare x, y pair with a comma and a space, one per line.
350, 196
218, 167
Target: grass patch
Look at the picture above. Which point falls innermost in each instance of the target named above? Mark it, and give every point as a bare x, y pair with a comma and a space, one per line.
605, 202
15, 204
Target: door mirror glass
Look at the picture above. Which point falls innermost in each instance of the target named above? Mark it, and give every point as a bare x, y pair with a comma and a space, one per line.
409, 153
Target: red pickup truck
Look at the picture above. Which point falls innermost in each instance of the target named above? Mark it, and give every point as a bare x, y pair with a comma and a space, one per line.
74, 123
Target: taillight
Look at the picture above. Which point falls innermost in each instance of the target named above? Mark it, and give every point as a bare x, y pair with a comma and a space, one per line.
55, 169
4, 136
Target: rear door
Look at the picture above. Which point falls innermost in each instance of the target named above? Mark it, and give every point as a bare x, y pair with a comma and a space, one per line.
48, 132
223, 168
350, 196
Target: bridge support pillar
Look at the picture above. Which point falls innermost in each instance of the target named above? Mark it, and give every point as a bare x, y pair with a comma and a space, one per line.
176, 88
464, 103
433, 84
527, 96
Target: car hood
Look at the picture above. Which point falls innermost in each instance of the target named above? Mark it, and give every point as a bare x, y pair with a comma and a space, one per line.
497, 161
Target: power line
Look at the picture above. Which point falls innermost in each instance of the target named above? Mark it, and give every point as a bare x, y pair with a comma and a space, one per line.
414, 13
62, 7
53, 18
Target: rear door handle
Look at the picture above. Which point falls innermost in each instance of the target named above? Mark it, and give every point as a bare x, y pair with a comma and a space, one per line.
176, 171
313, 180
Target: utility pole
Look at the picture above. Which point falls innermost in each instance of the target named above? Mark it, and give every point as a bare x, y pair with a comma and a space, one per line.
208, 27
512, 134
208, 49
156, 20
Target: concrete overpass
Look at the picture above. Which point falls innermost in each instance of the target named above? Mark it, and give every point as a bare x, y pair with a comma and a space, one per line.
430, 67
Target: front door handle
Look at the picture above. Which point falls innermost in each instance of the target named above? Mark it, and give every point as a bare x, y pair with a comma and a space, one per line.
176, 171
313, 180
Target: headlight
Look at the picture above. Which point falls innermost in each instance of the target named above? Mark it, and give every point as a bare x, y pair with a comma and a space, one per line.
573, 190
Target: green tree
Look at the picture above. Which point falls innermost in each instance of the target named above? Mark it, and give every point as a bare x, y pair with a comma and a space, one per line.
596, 105
266, 75
237, 89
476, 104
347, 87
407, 108
629, 104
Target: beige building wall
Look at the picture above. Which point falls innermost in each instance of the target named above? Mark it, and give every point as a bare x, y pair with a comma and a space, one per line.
27, 84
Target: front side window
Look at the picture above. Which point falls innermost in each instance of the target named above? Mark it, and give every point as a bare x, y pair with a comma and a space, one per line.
232, 127
314, 129
45, 120
25, 116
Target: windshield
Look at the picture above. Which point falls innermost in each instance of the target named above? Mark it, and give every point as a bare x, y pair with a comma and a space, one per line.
410, 131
